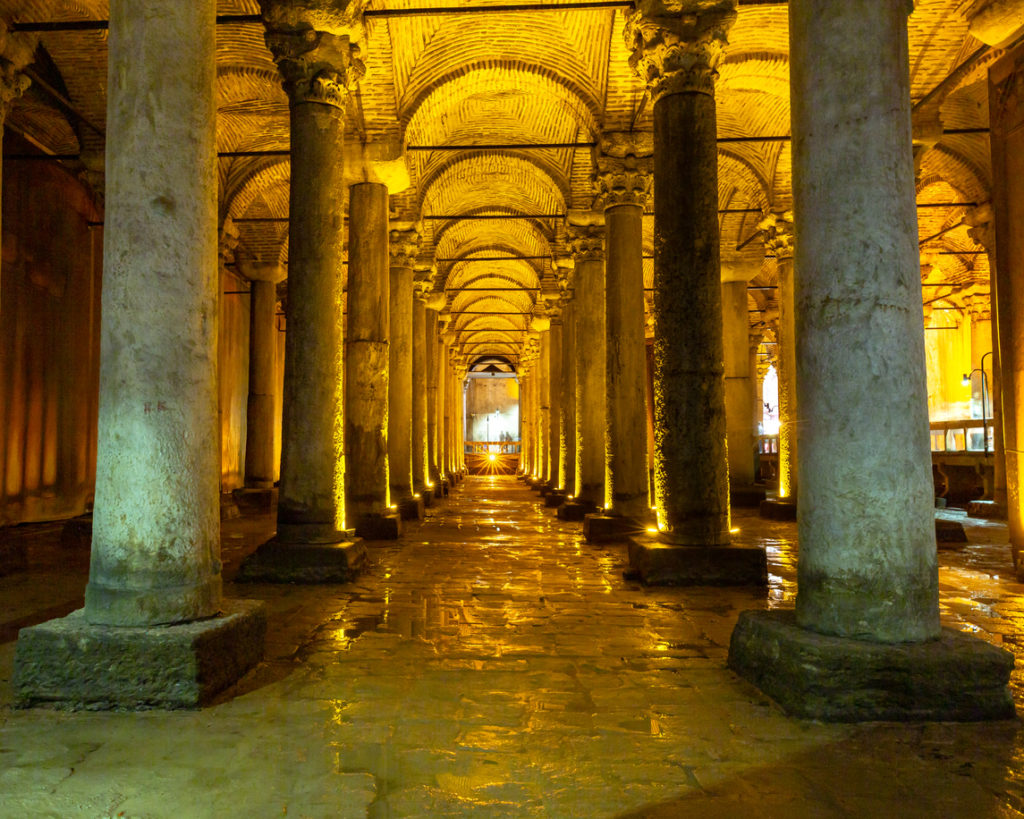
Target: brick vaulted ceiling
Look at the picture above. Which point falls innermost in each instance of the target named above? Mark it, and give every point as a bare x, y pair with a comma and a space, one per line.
523, 78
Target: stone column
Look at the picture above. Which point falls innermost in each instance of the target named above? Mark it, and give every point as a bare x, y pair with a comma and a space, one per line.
739, 391
676, 48
554, 368
403, 245
366, 365
865, 635
524, 428
586, 242
544, 405
421, 480
623, 182
430, 353
441, 351
318, 67
779, 241
567, 420
259, 431
156, 525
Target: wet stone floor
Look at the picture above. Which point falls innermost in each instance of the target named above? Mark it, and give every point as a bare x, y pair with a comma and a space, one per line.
492, 664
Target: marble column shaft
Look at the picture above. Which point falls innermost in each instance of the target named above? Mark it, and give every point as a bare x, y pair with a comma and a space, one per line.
367, 353
259, 432
567, 389
400, 371
867, 567
156, 525
420, 459
441, 351
786, 372
544, 407
625, 481
739, 397
430, 354
554, 363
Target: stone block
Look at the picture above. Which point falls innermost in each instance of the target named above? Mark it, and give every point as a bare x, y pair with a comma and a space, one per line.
600, 528
283, 562
411, 508
554, 499
379, 527
228, 508
778, 509
747, 497
949, 533
663, 564
71, 663
956, 677
77, 534
13, 553
575, 510
986, 509
255, 501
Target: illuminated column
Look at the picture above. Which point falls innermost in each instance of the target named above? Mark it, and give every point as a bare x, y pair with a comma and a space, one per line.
739, 392
554, 368
624, 184
403, 245
676, 48
779, 241
156, 525
544, 405
586, 242
430, 354
441, 353
421, 480
259, 430
867, 573
567, 388
524, 417
366, 365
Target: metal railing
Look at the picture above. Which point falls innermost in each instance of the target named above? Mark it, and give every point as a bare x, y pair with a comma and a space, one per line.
495, 447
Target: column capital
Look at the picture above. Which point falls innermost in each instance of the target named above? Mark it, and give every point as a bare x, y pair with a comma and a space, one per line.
677, 44
624, 177
16, 52
404, 243
312, 45
779, 235
982, 230
585, 242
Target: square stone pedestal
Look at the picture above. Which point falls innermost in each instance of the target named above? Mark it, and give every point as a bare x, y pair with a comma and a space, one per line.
13, 554
746, 497
954, 678
427, 496
986, 509
575, 510
255, 501
379, 527
411, 508
949, 534
554, 499
778, 509
71, 663
598, 528
664, 564
283, 562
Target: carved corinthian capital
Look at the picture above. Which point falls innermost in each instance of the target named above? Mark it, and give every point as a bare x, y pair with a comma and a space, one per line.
16, 52
779, 236
622, 180
677, 44
585, 243
404, 243
314, 46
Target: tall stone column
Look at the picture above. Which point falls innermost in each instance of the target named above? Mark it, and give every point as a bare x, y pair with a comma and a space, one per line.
779, 241
623, 183
403, 246
421, 480
865, 636
739, 390
524, 424
441, 352
586, 242
259, 430
554, 368
430, 352
318, 66
544, 405
154, 600
366, 365
567, 419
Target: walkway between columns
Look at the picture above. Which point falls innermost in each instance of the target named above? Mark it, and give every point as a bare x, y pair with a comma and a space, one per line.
491, 664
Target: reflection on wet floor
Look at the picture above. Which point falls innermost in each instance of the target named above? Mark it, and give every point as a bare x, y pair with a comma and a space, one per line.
492, 664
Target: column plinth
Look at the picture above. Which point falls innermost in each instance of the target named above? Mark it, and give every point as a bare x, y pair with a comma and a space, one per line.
867, 573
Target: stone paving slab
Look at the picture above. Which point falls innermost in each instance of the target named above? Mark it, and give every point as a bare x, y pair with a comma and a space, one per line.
492, 664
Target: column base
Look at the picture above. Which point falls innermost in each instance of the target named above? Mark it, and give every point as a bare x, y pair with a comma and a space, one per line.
427, 496
554, 498
228, 508
255, 501
535, 483
279, 561
778, 509
813, 676
747, 497
75, 535
986, 509
411, 508
949, 534
600, 528
71, 663
379, 527
575, 510
663, 564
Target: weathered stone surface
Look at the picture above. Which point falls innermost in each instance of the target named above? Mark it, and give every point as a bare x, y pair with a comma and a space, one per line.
13, 554
575, 510
746, 496
986, 509
290, 562
379, 527
956, 677
411, 508
71, 663
600, 528
949, 531
662, 564
554, 499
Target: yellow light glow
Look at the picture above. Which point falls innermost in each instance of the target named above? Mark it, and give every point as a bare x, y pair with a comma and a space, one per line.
492, 457
652, 530
733, 531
